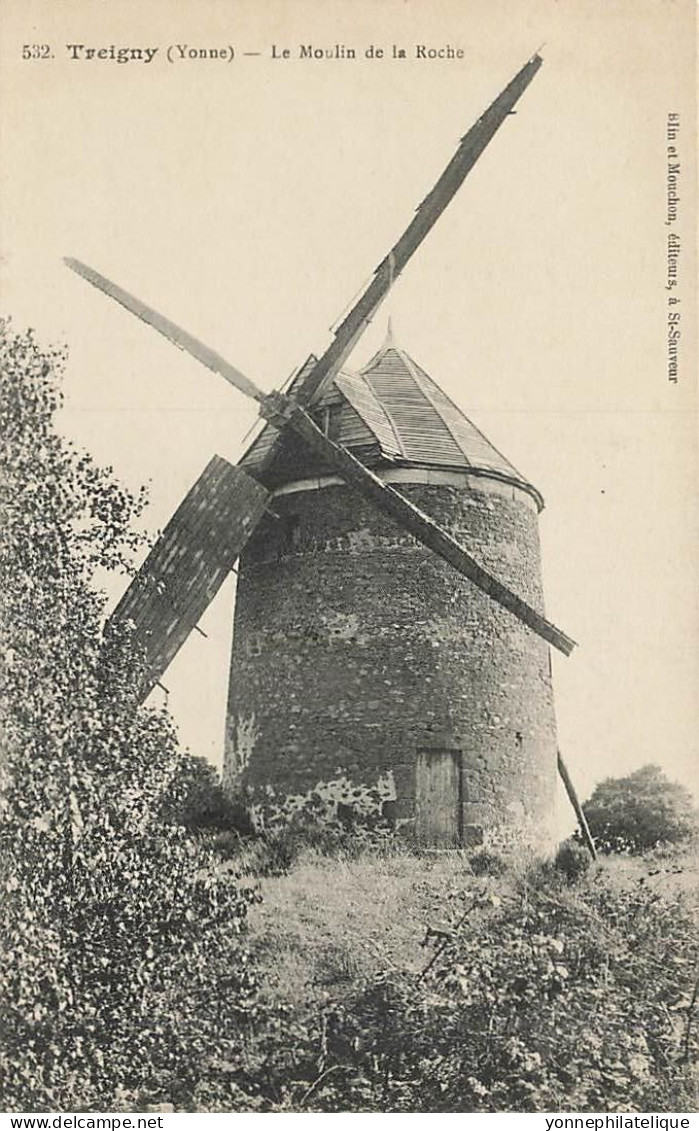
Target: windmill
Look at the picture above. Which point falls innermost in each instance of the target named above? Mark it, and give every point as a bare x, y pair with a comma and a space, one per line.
231, 512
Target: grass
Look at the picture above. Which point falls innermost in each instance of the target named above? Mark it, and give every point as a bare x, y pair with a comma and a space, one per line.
669, 871
337, 920
333, 922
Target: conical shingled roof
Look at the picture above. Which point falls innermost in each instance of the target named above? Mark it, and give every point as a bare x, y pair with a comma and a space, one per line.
392, 412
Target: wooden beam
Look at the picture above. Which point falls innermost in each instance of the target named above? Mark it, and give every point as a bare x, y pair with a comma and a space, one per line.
470, 148
575, 802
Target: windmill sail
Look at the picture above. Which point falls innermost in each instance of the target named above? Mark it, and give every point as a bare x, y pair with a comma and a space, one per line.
282, 412
469, 150
179, 579
170, 330
189, 562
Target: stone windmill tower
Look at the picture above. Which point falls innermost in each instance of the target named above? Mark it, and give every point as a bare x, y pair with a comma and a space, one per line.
389, 614
357, 650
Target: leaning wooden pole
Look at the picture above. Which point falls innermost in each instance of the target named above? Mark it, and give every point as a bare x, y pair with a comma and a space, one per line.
575, 802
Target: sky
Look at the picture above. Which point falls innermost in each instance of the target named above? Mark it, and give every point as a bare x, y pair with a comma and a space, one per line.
250, 198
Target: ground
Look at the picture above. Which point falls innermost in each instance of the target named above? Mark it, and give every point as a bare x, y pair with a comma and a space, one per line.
332, 922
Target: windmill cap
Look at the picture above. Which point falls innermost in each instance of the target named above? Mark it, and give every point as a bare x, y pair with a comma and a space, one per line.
427, 428
392, 412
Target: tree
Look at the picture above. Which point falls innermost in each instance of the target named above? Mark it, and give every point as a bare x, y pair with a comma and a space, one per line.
123, 951
640, 811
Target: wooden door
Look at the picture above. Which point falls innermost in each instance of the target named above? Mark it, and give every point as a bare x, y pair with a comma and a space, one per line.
438, 797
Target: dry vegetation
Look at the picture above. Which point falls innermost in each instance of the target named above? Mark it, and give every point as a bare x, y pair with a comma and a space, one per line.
332, 921
422, 984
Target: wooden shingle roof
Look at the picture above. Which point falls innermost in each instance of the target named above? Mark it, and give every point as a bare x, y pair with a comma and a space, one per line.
391, 412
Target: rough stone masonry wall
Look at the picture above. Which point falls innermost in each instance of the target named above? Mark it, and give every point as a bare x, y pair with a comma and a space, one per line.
354, 647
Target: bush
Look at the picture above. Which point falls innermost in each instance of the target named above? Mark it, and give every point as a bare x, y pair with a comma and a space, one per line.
639, 812
572, 859
196, 799
547, 999
122, 939
484, 863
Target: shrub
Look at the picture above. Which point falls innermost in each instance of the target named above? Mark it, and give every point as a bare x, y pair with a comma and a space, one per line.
484, 863
122, 941
641, 811
550, 999
196, 799
572, 859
